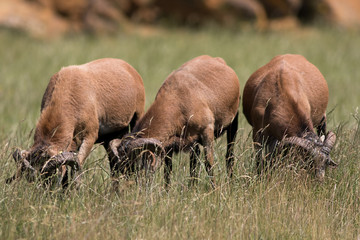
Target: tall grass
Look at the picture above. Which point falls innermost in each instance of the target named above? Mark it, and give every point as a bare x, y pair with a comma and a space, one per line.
289, 204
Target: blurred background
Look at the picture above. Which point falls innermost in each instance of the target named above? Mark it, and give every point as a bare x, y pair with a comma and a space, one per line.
52, 18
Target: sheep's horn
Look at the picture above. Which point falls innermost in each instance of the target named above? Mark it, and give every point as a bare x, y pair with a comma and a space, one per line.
150, 144
328, 145
64, 158
306, 144
153, 160
329, 142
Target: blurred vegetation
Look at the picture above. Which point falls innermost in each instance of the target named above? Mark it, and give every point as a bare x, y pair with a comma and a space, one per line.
289, 204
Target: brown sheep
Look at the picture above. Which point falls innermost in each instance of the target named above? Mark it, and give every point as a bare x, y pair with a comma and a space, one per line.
283, 101
195, 104
82, 105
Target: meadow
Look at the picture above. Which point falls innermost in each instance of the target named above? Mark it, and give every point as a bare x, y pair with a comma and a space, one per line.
289, 204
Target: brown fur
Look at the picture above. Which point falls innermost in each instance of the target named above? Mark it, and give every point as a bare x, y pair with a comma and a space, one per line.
195, 104
84, 104
286, 97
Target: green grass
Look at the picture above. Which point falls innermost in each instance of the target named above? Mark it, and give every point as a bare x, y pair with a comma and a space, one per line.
288, 205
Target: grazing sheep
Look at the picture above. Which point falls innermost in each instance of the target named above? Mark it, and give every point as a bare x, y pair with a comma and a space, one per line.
196, 103
283, 101
82, 105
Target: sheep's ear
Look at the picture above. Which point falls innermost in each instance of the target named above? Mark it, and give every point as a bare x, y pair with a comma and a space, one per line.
20, 154
114, 145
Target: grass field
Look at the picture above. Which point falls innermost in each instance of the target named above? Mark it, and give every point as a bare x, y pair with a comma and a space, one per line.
288, 205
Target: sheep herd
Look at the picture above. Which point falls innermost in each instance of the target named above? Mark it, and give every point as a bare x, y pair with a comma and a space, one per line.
103, 102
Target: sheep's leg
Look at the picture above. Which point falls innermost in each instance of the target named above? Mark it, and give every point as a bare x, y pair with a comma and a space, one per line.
168, 169
64, 177
270, 150
259, 160
231, 135
258, 147
208, 142
84, 152
113, 162
321, 128
194, 155
85, 149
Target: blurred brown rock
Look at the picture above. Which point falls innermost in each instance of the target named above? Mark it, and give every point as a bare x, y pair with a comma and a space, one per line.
248, 9
198, 12
104, 16
283, 24
281, 8
345, 12
186, 11
72, 10
32, 18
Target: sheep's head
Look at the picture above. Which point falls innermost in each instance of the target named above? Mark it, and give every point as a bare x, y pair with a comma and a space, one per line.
35, 163
319, 150
137, 154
